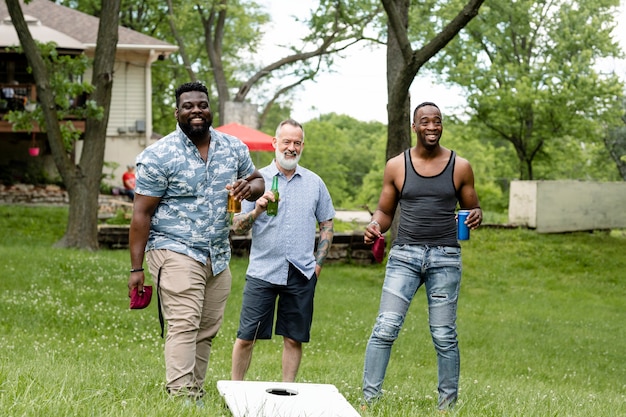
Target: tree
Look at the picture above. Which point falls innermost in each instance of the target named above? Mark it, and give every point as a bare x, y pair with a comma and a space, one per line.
343, 150
530, 70
403, 62
227, 59
492, 163
81, 180
231, 27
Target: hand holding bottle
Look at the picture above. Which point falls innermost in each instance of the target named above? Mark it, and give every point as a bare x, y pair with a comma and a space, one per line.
234, 205
272, 205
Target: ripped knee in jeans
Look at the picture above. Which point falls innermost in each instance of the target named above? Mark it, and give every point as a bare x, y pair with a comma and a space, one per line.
388, 326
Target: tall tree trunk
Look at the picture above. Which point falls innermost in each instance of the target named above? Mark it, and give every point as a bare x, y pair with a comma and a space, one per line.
615, 142
529, 169
84, 189
82, 181
398, 107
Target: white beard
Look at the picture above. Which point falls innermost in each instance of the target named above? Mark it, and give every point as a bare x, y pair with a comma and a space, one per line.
287, 164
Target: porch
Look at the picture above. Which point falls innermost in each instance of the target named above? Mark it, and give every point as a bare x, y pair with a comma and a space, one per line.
20, 97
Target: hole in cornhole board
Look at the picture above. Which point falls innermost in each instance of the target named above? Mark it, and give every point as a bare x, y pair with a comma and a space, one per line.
281, 391
284, 399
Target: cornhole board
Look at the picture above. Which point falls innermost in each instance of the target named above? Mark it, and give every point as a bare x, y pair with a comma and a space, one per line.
284, 399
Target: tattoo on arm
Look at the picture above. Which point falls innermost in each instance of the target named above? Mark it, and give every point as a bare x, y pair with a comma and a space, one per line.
326, 239
242, 223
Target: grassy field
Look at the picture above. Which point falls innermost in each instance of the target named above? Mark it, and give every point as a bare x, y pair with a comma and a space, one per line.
541, 326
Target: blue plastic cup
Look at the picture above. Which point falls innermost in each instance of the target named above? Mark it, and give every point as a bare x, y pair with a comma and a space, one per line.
463, 232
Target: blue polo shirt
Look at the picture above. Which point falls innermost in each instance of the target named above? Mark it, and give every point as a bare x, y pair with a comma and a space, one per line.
288, 237
191, 218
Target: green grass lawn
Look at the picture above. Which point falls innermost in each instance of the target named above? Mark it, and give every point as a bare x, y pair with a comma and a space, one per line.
541, 326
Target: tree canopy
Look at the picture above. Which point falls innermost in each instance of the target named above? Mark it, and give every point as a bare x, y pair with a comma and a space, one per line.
539, 106
530, 70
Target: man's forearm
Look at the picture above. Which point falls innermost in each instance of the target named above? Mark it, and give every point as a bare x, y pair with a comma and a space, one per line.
137, 239
326, 239
242, 223
257, 186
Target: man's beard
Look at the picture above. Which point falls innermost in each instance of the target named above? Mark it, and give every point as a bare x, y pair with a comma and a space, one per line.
288, 164
194, 131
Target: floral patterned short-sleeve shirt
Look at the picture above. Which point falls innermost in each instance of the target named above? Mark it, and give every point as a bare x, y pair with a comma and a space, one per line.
191, 218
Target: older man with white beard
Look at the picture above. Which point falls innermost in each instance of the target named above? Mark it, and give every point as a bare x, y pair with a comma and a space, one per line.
283, 261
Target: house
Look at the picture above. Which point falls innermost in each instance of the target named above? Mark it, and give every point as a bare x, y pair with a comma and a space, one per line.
129, 129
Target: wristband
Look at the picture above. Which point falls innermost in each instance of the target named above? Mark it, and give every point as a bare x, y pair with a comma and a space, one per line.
136, 270
376, 223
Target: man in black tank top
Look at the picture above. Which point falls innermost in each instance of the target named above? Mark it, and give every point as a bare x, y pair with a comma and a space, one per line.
427, 181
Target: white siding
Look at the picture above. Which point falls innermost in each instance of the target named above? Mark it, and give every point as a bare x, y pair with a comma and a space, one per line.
128, 100
128, 105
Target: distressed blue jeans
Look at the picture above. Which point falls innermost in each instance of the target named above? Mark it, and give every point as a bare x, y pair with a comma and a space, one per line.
438, 268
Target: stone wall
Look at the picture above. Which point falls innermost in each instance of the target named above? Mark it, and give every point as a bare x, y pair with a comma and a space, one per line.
33, 194
346, 247
53, 195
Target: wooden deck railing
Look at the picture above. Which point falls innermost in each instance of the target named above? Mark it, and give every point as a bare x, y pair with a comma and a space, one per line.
21, 97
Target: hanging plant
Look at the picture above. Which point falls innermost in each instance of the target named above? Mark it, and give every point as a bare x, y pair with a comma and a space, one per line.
33, 150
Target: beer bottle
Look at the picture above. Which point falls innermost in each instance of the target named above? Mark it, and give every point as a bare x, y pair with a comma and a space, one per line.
234, 205
272, 206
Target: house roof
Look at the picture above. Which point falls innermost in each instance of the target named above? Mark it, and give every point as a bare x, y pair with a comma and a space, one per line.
39, 32
82, 27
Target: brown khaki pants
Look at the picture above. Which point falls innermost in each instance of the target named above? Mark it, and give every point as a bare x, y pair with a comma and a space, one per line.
192, 302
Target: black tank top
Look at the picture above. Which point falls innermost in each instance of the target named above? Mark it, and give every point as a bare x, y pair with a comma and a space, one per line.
427, 206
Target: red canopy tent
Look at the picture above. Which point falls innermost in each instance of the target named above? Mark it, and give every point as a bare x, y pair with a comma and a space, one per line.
254, 139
